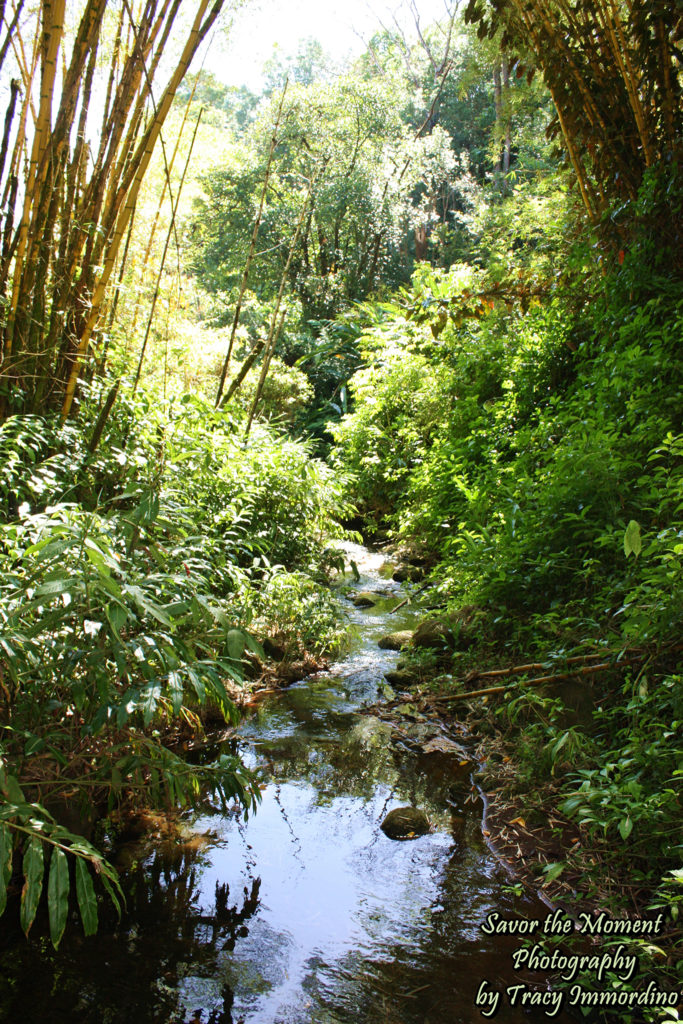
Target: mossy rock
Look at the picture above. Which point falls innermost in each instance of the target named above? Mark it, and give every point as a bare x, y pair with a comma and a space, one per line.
365, 599
455, 632
405, 823
396, 641
401, 678
407, 574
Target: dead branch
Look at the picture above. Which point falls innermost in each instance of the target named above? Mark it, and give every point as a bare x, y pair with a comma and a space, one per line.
559, 677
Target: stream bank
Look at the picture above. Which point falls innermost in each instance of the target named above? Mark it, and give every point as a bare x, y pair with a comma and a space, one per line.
306, 913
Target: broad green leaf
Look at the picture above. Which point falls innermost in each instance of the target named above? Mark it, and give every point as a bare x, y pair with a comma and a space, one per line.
58, 894
9, 788
116, 616
146, 605
632, 542
98, 556
149, 700
5, 862
57, 586
111, 586
215, 611
553, 871
87, 900
175, 687
236, 643
198, 684
253, 645
113, 895
33, 883
219, 694
625, 827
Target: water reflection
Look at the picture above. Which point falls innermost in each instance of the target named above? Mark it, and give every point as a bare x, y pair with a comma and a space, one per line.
307, 913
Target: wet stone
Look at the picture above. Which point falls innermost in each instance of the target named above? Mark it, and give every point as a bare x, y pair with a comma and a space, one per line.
396, 641
420, 732
405, 823
365, 599
443, 745
407, 574
401, 677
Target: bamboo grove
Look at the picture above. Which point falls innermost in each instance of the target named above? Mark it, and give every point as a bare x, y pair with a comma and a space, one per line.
85, 112
613, 70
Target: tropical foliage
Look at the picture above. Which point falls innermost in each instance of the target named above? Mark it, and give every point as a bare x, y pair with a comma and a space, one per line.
457, 280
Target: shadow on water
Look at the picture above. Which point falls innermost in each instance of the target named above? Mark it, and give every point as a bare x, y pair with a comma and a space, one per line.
306, 913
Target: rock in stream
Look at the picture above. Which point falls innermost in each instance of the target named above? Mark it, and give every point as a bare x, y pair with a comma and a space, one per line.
405, 823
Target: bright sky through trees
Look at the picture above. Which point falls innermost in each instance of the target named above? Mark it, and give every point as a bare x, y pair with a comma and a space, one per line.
269, 26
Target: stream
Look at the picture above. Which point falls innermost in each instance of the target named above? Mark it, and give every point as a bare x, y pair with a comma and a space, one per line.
306, 913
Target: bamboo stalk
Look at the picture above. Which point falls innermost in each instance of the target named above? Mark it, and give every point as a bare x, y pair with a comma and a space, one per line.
627, 72
160, 205
169, 234
20, 55
111, 78
53, 27
15, 89
268, 355
142, 157
669, 101
246, 366
536, 666
11, 28
103, 417
74, 173
117, 293
579, 169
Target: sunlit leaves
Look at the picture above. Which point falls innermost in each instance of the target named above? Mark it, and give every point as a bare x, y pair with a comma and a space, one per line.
632, 541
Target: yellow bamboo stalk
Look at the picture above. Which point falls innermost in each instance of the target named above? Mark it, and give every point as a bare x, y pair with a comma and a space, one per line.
157, 215
142, 82
579, 169
20, 139
668, 100
171, 228
141, 161
590, 109
621, 55
53, 28
20, 55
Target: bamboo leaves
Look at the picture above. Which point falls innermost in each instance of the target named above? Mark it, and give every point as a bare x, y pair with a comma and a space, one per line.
33, 883
58, 894
87, 901
27, 829
5, 862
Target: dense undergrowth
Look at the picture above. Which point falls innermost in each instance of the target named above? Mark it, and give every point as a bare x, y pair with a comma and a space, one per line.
138, 579
515, 412
531, 439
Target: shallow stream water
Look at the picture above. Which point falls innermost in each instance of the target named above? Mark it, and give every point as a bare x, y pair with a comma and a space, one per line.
306, 913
